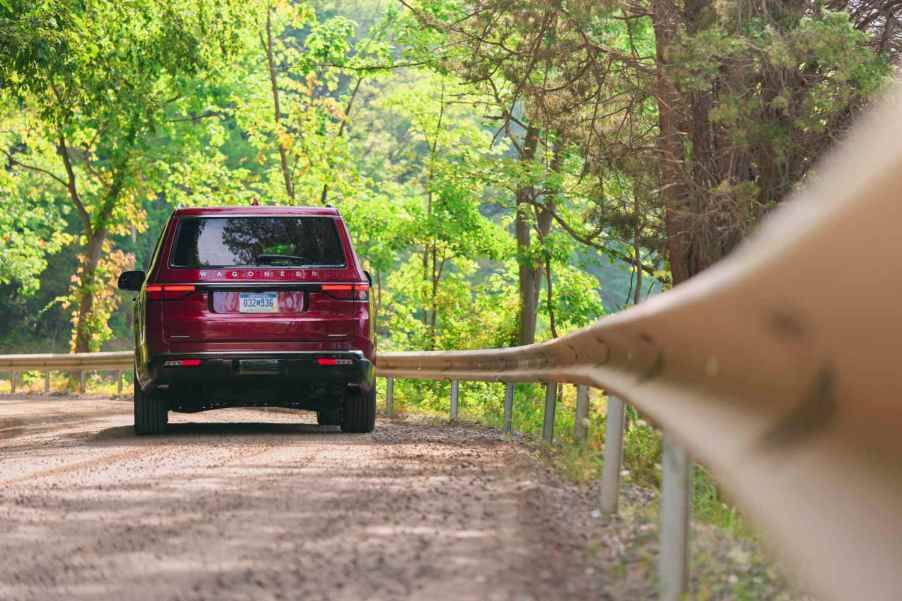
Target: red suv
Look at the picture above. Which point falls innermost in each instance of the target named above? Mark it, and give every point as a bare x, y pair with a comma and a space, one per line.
254, 306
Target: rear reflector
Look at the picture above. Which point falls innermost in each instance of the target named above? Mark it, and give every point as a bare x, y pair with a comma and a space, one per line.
325, 361
182, 363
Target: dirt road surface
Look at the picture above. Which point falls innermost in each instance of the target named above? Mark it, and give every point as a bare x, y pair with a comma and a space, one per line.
262, 505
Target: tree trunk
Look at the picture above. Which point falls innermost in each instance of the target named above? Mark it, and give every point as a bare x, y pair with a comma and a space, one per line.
529, 279
324, 196
95, 231
433, 318
544, 221
378, 291
93, 250
550, 297
277, 110
637, 250
672, 186
432, 274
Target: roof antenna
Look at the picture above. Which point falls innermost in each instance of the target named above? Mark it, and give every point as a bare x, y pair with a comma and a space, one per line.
255, 203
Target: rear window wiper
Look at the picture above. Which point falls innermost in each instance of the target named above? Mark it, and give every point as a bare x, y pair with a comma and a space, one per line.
271, 259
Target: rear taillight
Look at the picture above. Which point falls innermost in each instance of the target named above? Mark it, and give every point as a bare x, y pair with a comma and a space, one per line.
182, 363
328, 362
359, 292
160, 291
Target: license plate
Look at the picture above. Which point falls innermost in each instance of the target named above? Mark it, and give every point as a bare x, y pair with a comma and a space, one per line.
258, 366
258, 302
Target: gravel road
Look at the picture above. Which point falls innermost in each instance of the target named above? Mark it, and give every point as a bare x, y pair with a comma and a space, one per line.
247, 504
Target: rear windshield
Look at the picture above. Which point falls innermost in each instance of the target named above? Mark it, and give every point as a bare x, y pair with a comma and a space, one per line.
255, 241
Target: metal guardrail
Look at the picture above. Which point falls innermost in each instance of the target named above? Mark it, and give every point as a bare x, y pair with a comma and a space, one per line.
778, 369
80, 363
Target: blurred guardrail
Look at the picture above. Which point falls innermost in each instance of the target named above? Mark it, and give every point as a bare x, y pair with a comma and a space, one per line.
77, 363
778, 369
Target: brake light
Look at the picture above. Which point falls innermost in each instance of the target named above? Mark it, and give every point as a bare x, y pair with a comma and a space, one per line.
182, 363
347, 291
158, 291
327, 361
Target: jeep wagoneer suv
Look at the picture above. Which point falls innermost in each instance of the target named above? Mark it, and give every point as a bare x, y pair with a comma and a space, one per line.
254, 306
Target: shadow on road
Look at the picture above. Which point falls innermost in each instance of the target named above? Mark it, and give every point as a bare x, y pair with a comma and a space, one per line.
185, 432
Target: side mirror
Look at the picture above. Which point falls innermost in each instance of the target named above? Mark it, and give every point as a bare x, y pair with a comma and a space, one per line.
131, 280
369, 278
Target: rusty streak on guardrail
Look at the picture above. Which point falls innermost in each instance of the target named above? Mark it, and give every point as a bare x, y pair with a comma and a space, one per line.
778, 369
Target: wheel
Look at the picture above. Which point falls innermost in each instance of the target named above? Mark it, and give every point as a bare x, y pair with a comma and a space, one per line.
151, 412
328, 417
359, 413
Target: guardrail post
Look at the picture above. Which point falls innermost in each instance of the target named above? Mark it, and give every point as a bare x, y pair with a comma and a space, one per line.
613, 456
119, 375
12, 381
389, 396
508, 408
582, 409
81, 381
455, 398
673, 561
47, 382
550, 406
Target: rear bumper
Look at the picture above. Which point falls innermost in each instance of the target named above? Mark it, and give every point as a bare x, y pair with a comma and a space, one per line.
280, 368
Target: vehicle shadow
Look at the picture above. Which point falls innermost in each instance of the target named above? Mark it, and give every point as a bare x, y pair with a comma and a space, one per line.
187, 433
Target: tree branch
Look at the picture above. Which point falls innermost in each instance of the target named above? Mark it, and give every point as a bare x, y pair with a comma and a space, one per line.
591, 241
15, 161
72, 187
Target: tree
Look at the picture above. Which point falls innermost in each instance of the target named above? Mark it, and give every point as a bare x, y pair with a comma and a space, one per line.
296, 110
28, 233
574, 114
445, 174
97, 96
749, 96
731, 102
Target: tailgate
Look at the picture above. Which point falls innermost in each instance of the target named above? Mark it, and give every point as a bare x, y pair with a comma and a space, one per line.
255, 314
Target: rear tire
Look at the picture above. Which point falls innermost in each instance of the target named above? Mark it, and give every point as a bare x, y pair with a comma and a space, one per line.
359, 414
329, 417
151, 412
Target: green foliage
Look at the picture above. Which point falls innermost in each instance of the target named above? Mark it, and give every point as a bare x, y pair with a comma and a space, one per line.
771, 88
29, 232
88, 105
